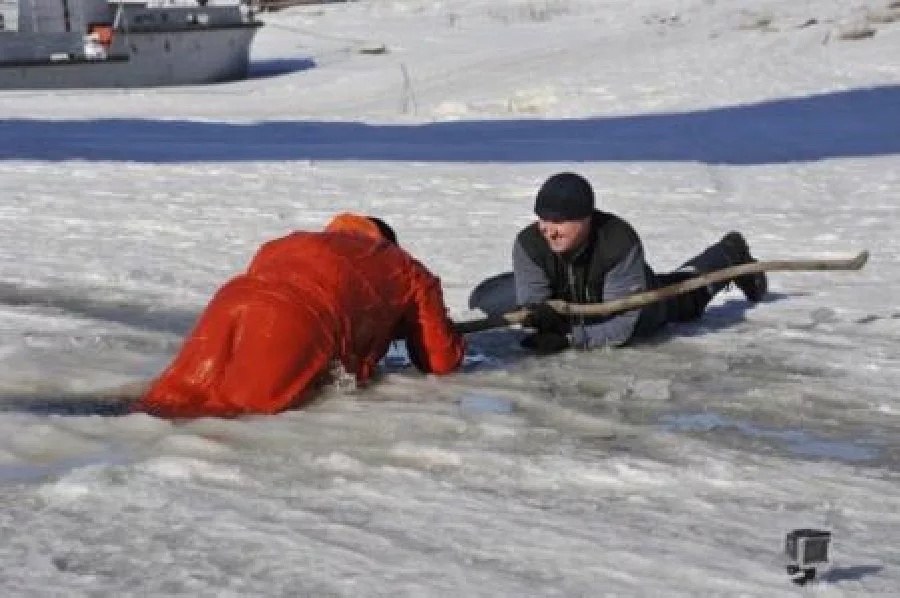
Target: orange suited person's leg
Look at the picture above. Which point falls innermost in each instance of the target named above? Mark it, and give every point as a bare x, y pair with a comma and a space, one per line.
281, 353
247, 354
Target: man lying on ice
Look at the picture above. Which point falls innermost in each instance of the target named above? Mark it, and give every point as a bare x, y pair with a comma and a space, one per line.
579, 254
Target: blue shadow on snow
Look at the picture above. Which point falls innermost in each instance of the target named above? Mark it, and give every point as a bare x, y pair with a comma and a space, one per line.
855, 573
262, 69
854, 123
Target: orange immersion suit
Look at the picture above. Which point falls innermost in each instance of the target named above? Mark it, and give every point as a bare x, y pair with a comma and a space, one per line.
268, 337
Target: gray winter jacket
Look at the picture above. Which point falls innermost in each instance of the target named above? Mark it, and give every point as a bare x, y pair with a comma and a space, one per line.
609, 266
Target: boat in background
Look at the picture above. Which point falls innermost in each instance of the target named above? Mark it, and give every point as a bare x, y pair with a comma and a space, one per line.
54, 44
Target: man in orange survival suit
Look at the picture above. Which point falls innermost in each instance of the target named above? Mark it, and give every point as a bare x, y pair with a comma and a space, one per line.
269, 336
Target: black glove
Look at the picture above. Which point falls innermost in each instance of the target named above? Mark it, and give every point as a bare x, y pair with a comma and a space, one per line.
544, 318
545, 342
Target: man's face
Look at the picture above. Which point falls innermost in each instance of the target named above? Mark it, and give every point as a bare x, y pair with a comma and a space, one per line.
566, 235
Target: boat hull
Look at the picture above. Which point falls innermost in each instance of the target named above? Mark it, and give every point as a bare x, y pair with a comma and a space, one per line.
144, 59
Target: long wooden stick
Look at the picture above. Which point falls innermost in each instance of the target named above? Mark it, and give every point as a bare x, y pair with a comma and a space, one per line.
608, 308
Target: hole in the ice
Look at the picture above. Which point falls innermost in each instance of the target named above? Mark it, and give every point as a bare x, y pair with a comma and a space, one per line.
798, 442
476, 403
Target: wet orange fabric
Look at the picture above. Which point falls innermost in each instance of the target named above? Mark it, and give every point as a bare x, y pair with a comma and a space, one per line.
268, 337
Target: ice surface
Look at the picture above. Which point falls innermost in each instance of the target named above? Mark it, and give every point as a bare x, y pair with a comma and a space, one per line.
669, 468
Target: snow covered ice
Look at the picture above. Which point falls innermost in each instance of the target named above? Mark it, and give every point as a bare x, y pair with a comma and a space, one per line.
671, 468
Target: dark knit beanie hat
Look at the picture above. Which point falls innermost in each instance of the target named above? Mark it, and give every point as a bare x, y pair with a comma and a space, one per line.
564, 196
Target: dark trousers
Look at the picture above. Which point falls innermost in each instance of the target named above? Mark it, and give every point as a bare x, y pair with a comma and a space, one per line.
685, 307
689, 306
